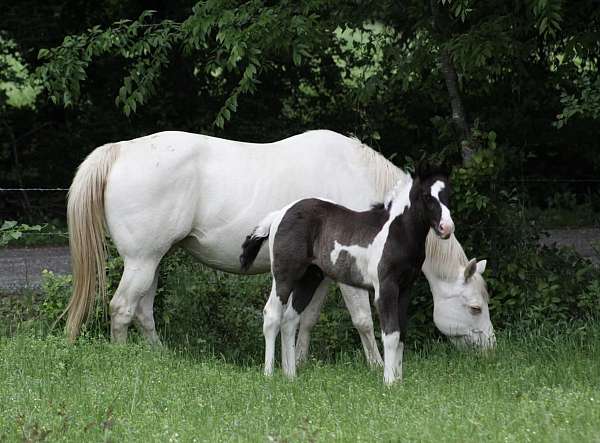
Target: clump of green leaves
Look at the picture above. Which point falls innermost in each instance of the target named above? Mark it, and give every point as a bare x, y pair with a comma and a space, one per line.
12, 230
242, 35
19, 89
585, 103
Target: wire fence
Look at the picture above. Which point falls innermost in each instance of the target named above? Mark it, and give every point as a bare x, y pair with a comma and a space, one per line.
524, 181
22, 270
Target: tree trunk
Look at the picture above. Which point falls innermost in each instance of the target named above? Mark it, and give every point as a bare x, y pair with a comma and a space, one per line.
449, 72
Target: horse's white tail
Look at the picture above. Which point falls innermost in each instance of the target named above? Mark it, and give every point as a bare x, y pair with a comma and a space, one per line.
85, 216
254, 241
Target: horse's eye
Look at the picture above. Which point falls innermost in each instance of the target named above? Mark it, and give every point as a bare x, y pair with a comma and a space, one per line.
475, 310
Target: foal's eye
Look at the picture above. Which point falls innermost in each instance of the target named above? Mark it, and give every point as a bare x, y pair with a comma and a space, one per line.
475, 310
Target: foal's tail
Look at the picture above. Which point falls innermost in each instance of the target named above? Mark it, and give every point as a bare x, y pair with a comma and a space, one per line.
254, 241
85, 216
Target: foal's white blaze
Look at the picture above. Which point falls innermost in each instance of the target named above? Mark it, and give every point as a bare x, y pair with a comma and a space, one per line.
399, 201
446, 224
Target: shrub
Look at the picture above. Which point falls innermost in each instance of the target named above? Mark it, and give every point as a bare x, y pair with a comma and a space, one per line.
10, 231
529, 284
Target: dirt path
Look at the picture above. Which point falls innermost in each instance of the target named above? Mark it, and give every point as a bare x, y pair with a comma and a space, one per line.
586, 241
22, 267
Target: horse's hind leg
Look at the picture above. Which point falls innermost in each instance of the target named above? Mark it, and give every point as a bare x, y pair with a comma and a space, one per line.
144, 314
357, 302
302, 294
136, 281
308, 319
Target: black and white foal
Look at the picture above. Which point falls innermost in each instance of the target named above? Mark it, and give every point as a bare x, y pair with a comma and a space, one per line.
381, 250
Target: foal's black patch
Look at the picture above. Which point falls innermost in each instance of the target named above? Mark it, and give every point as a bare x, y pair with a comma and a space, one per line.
306, 287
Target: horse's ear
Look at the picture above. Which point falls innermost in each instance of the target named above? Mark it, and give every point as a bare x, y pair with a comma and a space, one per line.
470, 269
423, 169
481, 266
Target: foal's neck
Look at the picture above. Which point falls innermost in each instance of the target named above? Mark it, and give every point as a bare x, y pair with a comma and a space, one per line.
414, 224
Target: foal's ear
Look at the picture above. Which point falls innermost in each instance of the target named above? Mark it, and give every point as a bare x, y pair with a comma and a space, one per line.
426, 169
423, 169
470, 269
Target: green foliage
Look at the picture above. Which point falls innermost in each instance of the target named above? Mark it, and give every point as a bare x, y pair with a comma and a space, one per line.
143, 45
19, 89
545, 286
472, 184
529, 285
11, 230
57, 291
547, 15
242, 34
584, 104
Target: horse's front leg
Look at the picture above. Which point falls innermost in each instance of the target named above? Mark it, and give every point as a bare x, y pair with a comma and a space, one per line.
357, 302
387, 299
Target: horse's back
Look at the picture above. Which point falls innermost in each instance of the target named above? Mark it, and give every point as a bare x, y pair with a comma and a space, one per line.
172, 185
150, 192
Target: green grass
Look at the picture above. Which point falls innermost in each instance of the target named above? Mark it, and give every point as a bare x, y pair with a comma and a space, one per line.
541, 387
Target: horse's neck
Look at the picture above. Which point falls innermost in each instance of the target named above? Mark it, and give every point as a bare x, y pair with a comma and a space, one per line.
444, 259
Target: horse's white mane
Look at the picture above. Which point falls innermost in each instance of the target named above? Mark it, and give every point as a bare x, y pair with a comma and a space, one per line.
402, 186
385, 174
446, 259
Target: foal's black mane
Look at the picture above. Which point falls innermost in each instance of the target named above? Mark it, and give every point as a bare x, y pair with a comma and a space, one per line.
379, 206
424, 170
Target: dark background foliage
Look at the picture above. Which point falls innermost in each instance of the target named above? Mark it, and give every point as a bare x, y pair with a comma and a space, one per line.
507, 91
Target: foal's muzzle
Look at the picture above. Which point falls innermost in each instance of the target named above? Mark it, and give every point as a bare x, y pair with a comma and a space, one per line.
445, 229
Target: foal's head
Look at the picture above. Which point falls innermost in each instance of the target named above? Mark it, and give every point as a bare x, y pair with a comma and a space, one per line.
432, 188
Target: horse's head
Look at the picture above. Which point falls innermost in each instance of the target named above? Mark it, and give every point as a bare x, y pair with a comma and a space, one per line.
434, 192
461, 308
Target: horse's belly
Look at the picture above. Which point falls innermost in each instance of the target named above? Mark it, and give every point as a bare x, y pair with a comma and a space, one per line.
222, 252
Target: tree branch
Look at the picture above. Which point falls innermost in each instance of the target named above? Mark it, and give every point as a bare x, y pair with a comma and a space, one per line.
449, 72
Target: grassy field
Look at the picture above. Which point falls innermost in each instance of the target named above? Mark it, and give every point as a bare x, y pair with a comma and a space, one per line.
543, 387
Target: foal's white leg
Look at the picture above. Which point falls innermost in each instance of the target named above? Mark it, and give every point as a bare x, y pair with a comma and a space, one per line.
289, 325
144, 314
137, 280
271, 321
308, 319
392, 352
357, 302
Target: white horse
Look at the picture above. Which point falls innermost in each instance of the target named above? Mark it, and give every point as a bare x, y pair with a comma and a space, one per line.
204, 194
